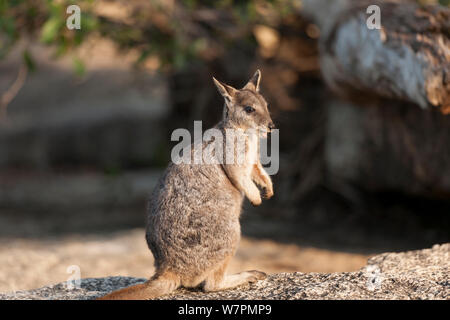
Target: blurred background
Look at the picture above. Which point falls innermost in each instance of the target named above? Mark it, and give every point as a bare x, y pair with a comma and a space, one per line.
86, 117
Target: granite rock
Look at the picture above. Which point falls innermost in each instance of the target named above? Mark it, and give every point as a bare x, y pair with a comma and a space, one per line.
419, 274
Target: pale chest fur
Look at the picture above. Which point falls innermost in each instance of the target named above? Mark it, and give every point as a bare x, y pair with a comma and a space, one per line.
251, 152
241, 149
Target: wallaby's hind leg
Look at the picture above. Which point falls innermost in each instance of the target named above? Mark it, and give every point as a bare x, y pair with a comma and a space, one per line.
218, 280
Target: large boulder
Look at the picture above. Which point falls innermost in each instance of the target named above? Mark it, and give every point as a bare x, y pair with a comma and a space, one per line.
420, 274
388, 147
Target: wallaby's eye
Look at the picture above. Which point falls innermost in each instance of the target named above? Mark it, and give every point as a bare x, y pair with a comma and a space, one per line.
249, 109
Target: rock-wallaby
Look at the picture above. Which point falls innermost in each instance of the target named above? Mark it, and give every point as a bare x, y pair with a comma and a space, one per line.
193, 225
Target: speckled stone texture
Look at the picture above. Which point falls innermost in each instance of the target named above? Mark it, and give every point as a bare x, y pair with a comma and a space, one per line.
420, 274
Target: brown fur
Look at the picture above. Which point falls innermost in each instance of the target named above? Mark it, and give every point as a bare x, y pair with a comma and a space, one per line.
193, 227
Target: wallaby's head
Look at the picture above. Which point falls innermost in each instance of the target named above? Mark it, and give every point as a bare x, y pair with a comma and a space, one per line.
246, 108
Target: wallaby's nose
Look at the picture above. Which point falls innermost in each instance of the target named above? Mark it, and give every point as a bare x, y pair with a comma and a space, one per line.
271, 126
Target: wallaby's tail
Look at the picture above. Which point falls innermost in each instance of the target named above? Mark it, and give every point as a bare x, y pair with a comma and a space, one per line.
158, 285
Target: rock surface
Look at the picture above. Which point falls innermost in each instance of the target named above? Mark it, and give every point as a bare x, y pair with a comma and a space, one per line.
420, 274
388, 147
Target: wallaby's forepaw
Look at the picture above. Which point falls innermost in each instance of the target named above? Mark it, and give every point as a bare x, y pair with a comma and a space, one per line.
267, 193
256, 202
255, 275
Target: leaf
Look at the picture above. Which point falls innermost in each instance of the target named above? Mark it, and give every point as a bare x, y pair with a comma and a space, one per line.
29, 61
79, 67
51, 29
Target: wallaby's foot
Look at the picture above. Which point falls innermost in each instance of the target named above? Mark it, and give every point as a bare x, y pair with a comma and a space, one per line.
255, 275
214, 283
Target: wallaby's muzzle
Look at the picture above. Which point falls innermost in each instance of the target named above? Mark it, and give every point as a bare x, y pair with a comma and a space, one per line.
271, 126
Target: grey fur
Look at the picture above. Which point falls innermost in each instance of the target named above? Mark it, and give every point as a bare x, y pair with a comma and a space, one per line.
193, 226
193, 221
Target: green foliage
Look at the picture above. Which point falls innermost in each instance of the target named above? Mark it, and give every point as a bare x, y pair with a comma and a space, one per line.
177, 40
29, 62
51, 29
176, 35
7, 26
78, 67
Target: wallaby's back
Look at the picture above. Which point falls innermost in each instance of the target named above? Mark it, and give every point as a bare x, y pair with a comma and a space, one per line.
193, 220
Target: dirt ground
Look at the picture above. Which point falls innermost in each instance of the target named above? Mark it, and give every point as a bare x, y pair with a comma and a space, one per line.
31, 263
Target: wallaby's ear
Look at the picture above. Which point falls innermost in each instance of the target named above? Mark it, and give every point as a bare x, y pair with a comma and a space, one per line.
228, 92
253, 83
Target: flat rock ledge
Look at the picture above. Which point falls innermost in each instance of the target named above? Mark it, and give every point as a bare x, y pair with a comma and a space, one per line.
420, 274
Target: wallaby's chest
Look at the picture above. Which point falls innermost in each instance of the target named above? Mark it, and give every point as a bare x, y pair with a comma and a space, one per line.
241, 149
251, 152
